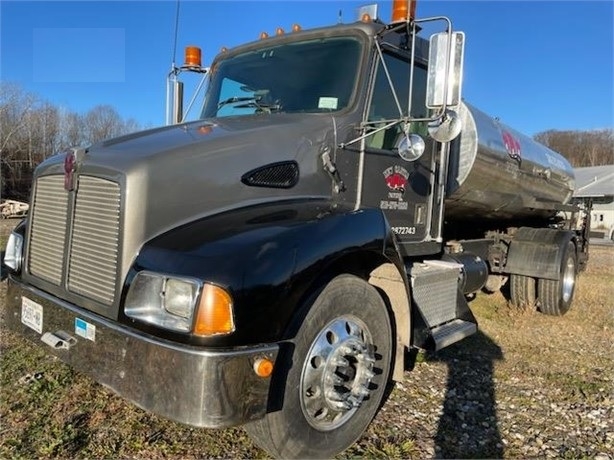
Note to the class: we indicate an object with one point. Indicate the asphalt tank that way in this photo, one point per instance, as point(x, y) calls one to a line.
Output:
point(495, 172)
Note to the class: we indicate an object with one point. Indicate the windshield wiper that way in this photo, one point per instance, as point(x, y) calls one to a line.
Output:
point(268, 108)
point(234, 99)
point(249, 102)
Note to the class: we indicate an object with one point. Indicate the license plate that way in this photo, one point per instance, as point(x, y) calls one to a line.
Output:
point(32, 314)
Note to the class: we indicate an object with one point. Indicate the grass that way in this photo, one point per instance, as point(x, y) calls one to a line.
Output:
point(536, 361)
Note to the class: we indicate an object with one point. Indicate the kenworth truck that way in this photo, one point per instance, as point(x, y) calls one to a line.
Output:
point(274, 262)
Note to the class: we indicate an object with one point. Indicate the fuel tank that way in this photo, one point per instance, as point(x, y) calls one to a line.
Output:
point(497, 173)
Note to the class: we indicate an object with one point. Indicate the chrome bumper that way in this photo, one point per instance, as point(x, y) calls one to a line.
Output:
point(200, 387)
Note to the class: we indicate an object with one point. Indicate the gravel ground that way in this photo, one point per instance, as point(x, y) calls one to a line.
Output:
point(526, 386)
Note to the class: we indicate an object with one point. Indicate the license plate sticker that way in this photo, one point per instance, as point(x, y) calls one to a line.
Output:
point(85, 329)
point(32, 314)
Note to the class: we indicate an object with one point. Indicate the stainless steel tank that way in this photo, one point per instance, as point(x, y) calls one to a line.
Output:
point(495, 172)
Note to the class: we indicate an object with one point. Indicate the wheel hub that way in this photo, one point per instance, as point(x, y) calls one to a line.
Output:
point(337, 373)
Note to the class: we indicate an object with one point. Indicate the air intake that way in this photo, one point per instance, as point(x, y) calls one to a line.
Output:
point(284, 174)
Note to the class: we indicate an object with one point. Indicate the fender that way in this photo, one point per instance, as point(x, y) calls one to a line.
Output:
point(537, 252)
point(270, 258)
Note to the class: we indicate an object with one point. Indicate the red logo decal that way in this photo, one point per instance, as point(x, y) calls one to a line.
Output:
point(512, 145)
point(396, 178)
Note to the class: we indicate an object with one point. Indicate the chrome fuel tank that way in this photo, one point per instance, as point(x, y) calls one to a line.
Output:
point(495, 172)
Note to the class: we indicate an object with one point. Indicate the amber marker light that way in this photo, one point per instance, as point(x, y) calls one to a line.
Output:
point(296, 27)
point(192, 56)
point(366, 18)
point(205, 129)
point(403, 10)
point(214, 315)
point(263, 367)
point(263, 35)
point(279, 31)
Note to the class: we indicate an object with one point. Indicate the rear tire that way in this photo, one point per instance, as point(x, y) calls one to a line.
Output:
point(555, 296)
point(337, 375)
point(522, 291)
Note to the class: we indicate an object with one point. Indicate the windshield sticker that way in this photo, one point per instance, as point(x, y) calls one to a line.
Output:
point(328, 103)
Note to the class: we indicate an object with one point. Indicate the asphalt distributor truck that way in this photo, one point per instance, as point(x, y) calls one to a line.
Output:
point(274, 262)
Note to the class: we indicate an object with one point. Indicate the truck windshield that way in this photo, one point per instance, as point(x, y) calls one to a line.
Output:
point(308, 76)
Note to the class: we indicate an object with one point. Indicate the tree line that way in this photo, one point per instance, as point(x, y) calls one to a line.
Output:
point(581, 148)
point(32, 129)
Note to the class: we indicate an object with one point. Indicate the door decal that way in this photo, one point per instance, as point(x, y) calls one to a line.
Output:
point(397, 181)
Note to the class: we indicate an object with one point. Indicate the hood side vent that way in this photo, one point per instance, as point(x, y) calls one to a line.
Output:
point(284, 174)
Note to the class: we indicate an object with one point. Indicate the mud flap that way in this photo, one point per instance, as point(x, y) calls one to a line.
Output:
point(537, 252)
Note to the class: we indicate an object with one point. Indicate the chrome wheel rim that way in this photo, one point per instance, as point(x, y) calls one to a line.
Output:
point(337, 373)
point(569, 279)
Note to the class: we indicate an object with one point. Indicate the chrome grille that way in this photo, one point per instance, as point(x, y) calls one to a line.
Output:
point(95, 235)
point(48, 229)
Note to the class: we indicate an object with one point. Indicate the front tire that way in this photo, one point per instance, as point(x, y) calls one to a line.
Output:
point(337, 375)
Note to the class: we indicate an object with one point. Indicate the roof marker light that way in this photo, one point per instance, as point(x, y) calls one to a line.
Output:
point(366, 18)
point(296, 27)
point(279, 31)
point(403, 11)
point(263, 35)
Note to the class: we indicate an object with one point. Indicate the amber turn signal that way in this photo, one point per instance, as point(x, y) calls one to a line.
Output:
point(214, 315)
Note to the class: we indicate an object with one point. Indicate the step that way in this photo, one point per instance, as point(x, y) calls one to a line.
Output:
point(435, 290)
point(452, 332)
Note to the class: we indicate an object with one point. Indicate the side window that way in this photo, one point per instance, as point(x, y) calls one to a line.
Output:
point(383, 104)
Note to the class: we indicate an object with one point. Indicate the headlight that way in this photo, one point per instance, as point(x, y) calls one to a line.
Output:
point(162, 300)
point(180, 304)
point(13, 255)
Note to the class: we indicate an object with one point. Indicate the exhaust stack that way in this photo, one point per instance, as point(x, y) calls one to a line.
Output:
point(174, 87)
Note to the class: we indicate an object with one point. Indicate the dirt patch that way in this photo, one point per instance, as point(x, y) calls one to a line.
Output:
point(527, 385)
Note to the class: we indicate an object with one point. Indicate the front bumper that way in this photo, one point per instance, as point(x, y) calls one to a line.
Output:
point(200, 387)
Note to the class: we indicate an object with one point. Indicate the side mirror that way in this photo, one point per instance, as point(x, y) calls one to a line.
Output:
point(445, 73)
point(447, 127)
point(410, 147)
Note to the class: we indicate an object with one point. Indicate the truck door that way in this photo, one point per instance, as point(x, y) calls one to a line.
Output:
point(402, 189)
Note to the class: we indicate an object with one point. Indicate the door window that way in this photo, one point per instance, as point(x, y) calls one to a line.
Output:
point(384, 105)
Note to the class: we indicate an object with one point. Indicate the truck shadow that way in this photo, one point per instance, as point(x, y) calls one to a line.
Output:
point(3, 271)
point(468, 426)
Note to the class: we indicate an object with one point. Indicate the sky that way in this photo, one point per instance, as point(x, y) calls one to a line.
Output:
point(537, 65)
